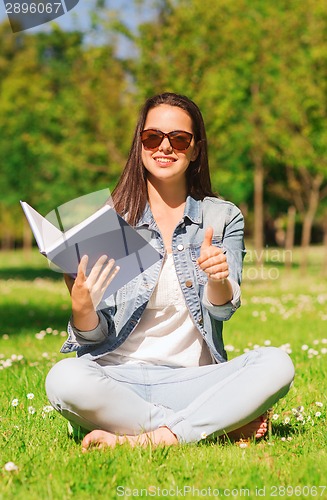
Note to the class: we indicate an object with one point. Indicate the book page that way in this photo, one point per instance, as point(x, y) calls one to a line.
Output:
point(45, 233)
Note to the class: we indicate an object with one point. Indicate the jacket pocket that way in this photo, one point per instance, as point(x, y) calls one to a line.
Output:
point(195, 250)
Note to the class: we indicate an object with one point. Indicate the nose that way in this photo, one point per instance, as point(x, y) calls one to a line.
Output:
point(165, 145)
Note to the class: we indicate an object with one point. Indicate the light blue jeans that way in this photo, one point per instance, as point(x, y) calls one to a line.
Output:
point(192, 402)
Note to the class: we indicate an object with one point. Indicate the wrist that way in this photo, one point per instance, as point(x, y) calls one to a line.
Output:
point(219, 292)
point(85, 320)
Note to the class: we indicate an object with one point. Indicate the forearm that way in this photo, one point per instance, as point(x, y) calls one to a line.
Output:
point(97, 335)
point(85, 320)
point(219, 292)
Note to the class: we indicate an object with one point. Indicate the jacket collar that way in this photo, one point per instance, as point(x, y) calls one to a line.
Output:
point(192, 211)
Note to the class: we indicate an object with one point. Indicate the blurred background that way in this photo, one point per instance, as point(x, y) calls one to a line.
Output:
point(70, 93)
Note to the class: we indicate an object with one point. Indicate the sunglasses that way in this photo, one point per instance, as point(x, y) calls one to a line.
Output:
point(178, 139)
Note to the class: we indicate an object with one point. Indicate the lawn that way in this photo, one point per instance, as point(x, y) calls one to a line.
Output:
point(283, 309)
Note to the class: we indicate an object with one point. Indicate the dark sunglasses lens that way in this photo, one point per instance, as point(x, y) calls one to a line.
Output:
point(151, 139)
point(180, 140)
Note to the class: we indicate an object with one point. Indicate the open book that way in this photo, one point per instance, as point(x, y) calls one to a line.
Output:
point(102, 233)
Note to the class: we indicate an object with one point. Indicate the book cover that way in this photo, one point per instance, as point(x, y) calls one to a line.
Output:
point(102, 233)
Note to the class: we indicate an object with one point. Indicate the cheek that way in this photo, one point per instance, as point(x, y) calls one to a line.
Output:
point(190, 156)
point(145, 155)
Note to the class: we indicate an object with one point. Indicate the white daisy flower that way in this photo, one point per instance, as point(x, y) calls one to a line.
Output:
point(243, 445)
point(30, 395)
point(47, 409)
point(14, 402)
point(10, 467)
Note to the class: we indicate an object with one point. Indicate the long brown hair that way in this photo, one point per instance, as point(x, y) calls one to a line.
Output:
point(130, 195)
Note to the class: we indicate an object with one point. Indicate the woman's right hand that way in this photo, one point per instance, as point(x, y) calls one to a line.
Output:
point(87, 291)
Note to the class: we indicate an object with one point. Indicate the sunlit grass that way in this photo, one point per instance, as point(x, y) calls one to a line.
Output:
point(288, 312)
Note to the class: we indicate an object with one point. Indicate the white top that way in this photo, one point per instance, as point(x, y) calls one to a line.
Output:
point(166, 334)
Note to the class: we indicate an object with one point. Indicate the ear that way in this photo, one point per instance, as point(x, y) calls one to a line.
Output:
point(196, 151)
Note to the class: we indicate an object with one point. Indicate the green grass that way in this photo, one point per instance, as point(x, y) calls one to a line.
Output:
point(289, 310)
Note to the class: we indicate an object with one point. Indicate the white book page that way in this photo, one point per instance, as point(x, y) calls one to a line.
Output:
point(45, 233)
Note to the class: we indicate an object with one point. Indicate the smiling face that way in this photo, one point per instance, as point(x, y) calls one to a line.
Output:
point(166, 164)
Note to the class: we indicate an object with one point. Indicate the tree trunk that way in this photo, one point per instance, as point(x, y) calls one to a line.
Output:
point(308, 221)
point(7, 240)
point(324, 264)
point(27, 238)
point(289, 239)
point(258, 206)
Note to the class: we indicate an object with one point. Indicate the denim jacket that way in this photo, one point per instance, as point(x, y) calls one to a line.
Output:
point(124, 309)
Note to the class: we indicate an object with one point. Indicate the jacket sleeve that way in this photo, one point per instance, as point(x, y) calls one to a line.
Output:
point(233, 244)
point(98, 334)
point(77, 338)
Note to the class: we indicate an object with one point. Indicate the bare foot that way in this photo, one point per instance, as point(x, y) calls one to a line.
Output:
point(257, 428)
point(101, 439)
point(163, 436)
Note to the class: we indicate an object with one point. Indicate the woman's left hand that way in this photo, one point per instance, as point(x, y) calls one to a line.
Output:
point(212, 259)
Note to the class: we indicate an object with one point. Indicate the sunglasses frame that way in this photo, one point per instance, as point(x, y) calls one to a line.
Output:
point(163, 136)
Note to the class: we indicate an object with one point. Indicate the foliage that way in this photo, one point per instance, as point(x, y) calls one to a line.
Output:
point(257, 70)
point(58, 139)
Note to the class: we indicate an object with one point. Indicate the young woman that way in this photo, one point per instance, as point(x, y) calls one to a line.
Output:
point(151, 366)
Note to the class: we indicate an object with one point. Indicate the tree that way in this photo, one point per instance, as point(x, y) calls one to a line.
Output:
point(65, 121)
point(300, 107)
point(257, 71)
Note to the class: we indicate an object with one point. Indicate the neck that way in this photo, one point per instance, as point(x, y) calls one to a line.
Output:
point(172, 195)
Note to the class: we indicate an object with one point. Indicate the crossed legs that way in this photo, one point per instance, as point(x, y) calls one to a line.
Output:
point(161, 405)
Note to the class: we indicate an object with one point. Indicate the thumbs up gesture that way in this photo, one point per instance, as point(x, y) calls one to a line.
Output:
point(212, 259)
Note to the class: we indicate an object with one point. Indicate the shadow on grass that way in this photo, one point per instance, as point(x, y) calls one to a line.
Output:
point(29, 274)
point(285, 430)
point(18, 318)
